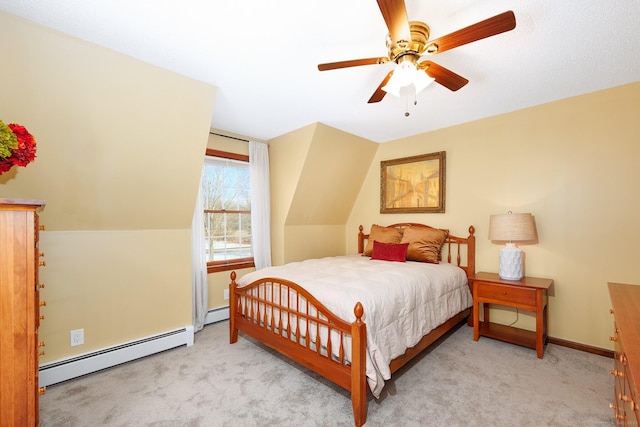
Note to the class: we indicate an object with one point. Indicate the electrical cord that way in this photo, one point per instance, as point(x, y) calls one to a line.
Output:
point(515, 321)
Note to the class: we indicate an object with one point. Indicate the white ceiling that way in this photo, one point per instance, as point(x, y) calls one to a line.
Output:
point(263, 55)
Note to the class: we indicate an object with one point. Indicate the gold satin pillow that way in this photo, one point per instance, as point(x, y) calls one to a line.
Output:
point(383, 235)
point(425, 243)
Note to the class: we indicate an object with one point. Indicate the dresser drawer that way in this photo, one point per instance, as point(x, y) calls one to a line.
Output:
point(490, 292)
point(625, 302)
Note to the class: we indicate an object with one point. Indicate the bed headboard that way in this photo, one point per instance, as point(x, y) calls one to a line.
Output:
point(454, 246)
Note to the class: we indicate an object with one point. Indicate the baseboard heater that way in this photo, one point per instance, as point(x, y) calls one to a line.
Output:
point(66, 369)
point(217, 315)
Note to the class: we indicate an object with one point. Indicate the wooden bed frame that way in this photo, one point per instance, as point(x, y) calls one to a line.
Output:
point(259, 311)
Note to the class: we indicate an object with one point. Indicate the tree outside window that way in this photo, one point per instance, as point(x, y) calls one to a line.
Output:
point(227, 213)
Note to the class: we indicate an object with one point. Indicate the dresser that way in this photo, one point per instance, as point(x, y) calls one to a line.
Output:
point(20, 316)
point(625, 301)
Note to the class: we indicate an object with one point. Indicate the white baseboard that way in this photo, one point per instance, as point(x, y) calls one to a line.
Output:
point(66, 369)
point(77, 366)
point(217, 315)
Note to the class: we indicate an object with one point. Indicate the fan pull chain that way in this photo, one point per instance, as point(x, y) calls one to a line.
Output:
point(406, 106)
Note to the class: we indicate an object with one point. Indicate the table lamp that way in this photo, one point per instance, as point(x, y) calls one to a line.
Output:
point(510, 228)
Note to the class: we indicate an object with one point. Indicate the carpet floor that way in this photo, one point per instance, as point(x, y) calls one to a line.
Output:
point(457, 382)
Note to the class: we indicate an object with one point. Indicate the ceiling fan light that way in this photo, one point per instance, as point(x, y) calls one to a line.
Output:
point(392, 87)
point(422, 80)
point(403, 75)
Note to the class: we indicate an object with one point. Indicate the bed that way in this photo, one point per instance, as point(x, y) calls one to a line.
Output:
point(356, 319)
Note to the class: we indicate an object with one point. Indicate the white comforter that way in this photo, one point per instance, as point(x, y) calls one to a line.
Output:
point(402, 301)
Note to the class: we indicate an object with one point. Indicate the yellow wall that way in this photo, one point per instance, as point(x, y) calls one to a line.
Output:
point(287, 154)
point(316, 173)
point(118, 286)
point(120, 149)
point(571, 163)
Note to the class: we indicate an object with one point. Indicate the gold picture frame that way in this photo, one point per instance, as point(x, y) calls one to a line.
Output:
point(413, 184)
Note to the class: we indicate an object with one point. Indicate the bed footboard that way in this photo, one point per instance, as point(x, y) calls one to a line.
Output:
point(285, 317)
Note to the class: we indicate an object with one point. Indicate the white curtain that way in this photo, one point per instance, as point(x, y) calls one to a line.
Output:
point(200, 289)
point(260, 203)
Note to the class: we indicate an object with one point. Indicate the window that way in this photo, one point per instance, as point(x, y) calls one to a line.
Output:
point(227, 211)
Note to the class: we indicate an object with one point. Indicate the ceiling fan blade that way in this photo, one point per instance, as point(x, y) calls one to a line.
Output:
point(443, 76)
point(351, 63)
point(379, 93)
point(394, 13)
point(489, 27)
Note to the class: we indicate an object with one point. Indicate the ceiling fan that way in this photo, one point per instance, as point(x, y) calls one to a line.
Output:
point(409, 40)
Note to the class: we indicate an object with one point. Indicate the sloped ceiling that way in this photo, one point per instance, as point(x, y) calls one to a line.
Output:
point(334, 169)
point(263, 56)
point(113, 151)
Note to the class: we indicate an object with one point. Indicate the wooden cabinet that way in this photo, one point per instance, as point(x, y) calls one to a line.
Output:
point(19, 312)
point(528, 293)
point(625, 300)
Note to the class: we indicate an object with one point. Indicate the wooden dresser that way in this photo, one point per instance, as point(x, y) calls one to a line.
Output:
point(19, 312)
point(625, 300)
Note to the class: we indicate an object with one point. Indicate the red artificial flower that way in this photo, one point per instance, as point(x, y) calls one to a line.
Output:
point(5, 165)
point(25, 153)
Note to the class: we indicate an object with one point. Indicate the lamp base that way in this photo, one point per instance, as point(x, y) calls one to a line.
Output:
point(510, 263)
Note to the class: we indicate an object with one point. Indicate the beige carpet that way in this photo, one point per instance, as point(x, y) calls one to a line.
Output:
point(460, 382)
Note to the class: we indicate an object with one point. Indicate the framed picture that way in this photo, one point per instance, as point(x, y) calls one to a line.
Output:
point(413, 184)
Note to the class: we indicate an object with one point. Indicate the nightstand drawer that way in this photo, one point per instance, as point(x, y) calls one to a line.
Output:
point(505, 293)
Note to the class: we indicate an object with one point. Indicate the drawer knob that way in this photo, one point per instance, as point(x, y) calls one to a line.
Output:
point(629, 400)
point(41, 344)
point(41, 317)
point(43, 303)
point(41, 254)
point(613, 406)
point(620, 417)
point(623, 359)
point(41, 353)
point(42, 390)
point(624, 397)
point(613, 339)
point(611, 310)
point(41, 286)
point(42, 228)
point(42, 263)
point(616, 373)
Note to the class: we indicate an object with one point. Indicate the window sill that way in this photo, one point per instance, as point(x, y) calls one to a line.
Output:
point(231, 265)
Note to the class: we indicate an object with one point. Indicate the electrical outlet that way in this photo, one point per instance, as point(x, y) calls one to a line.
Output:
point(226, 294)
point(77, 337)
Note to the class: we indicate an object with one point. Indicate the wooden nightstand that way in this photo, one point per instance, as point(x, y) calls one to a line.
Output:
point(528, 293)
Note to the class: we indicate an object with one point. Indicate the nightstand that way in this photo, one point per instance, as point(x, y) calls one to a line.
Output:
point(528, 293)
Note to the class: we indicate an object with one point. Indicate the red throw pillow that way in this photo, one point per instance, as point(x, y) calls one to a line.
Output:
point(389, 251)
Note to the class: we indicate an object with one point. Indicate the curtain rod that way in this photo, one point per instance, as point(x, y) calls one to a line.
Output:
point(227, 136)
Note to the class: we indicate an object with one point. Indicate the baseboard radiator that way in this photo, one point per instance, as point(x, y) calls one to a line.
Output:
point(66, 369)
point(217, 315)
